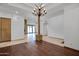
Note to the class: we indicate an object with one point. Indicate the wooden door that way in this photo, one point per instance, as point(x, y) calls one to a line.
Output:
point(6, 29)
point(0, 30)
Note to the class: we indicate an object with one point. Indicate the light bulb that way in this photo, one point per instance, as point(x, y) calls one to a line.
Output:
point(42, 5)
point(34, 9)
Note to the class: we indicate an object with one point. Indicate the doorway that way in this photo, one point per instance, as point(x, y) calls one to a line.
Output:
point(30, 29)
point(31, 32)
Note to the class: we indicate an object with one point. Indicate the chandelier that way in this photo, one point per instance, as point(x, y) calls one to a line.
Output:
point(39, 10)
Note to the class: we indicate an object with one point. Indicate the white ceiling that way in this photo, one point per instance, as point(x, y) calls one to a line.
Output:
point(25, 9)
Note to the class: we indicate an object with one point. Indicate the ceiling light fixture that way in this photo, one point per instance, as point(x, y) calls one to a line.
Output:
point(16, 12)
point(39, 10)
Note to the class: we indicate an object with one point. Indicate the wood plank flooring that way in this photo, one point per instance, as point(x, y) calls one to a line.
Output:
point(37, 49)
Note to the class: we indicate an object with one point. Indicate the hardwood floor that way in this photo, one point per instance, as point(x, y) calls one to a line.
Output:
point(37, 49)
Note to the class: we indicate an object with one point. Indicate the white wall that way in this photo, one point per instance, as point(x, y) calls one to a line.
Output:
point(17, 25)
point(71, 26)
point(31, 20)
point(2, 14)
point(55, 27)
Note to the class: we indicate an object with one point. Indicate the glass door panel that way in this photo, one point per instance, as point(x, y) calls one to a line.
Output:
point(31, 28)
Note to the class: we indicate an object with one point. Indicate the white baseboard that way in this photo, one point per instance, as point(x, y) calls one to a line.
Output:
point(71, 47)
point(56, 36)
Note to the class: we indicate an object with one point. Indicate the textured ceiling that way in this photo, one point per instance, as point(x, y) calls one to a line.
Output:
point(25, 9)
